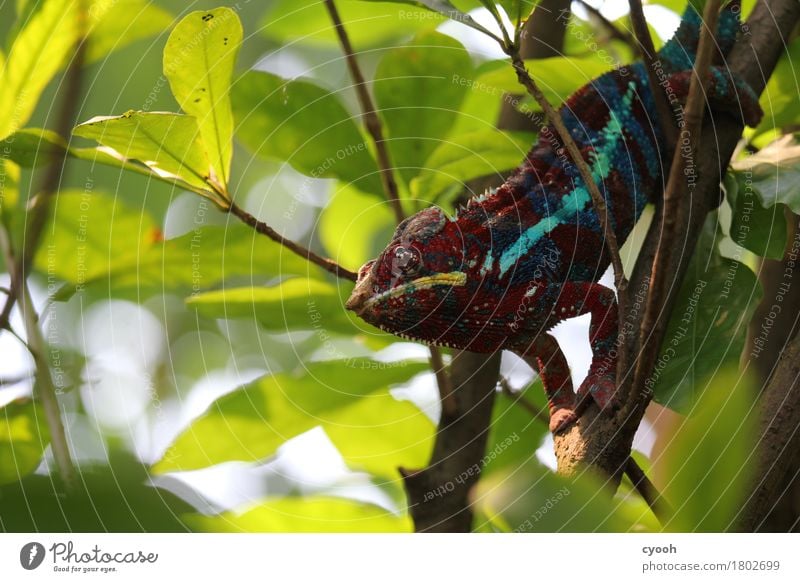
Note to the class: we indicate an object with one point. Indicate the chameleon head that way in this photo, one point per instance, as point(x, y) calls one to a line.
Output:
point(420, 287)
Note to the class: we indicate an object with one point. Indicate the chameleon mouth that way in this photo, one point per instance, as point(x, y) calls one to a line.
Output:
point(454, 279)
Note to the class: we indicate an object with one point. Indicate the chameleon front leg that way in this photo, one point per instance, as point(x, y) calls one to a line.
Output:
point(579, 298)
point(545, 355)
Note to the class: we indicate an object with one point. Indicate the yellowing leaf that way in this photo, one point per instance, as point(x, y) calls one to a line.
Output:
point(198, 61)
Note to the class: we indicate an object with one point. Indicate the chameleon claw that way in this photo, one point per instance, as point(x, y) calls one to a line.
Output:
point(561, 418)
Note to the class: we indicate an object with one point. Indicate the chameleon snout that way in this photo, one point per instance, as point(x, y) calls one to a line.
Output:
point(362, 291)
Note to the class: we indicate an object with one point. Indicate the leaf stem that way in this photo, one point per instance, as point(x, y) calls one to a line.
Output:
point(265, 229)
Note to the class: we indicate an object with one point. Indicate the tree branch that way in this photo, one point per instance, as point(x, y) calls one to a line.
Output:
point(779, 440)
point(648, 52)
point(371, 119)
point(681, 175)
point(615, 31)
point(603, 441)
point(265, 229)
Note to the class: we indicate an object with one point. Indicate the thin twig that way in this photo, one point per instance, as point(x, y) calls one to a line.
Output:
point(311, 256)
point(45, 389)
point(371, 119)
point(599, 201)
point(615, 31)
point(373, 125)
point(12, 380)
point(648, 52)
point(37, 215)
point(677, 192)
point(518, 398)
point(652, 496)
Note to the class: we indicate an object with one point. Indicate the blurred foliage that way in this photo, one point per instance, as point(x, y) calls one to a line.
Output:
point(243, 345)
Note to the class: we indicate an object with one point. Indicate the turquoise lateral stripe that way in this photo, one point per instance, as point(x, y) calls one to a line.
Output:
point(577, 199)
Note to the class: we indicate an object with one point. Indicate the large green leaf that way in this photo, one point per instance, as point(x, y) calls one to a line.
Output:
point(349, 398)
point(114, 24)
point(779, 99)
point(774, 173)
point(114, 497)
point(198, 62)
point(305, 125)
point(368, 24)
point(297, 303)
point(195, 262)
point(710, 459)
point(419, 90)
point(355, 228)
point(89, 234)
point(308, 514)
point(531, 498)
point(36, 55)
point(23, 439)
point(758, 229)
point(168, 143)
point(468, 156)
point(709, 322)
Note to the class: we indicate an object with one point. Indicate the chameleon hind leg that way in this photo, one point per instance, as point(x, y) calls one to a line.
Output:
point(579, 298)
point(545, 355)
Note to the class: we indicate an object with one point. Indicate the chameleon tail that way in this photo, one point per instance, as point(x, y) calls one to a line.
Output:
point(679, 52)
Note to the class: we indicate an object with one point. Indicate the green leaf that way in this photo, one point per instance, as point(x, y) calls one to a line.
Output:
point(198, 62)
point(23, 439)
point(532, 498)
point(168, 143)
point(774, 173)
point(349, 398)
point(193, 263)
point(468, 156)
point(758, 229)
point(418, 92)
point(9, 190)
point(36, 55)
point(304, 125)
point(297, 303)
point(308, 515)
point(710, 458)
point(779, 99)
point(89, 234)
point(367, 24)
point(514, 436)
point(708, 326)
point(33, 147)
point(114, 497)
point(558, 77)
point(114, 24)
point(354, 228)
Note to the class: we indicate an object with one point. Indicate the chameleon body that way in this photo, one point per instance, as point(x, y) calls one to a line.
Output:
point(527, 255)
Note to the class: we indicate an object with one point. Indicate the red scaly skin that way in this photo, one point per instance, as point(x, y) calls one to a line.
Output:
point(528, 255)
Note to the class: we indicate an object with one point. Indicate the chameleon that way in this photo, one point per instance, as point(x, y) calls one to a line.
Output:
point(521, 258)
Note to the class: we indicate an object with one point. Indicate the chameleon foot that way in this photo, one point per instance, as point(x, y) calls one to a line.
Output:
point(561, 418)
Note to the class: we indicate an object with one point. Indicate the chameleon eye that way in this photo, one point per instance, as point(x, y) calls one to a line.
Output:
point(406, 259)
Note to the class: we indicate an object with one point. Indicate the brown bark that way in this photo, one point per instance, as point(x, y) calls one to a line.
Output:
point(603, 441)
